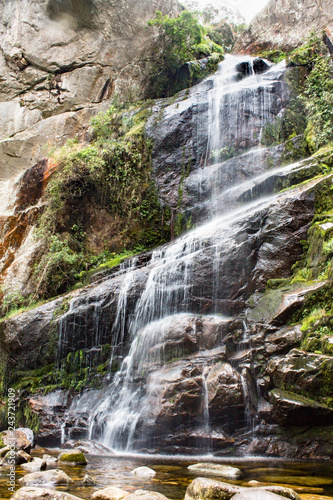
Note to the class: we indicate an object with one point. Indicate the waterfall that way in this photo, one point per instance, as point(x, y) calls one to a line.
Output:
point(235, 185)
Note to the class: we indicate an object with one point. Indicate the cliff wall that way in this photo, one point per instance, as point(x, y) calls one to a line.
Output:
point(286, 24)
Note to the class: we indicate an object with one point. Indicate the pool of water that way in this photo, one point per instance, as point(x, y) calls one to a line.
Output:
point(312, 480)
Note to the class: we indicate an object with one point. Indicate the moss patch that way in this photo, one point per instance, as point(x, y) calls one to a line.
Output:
point(76, 458)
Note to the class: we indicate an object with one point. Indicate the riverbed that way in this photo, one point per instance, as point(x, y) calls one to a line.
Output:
point(312, 480)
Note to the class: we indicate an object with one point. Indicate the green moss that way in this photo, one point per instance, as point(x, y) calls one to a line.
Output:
point(272, 55)
point(63, 308)
point(277, 283)
point(77, 458)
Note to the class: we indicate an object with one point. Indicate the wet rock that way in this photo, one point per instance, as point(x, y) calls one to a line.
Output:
point(256, 494)
point(88, 446)
point(72, 457)
point(283, 340)
point(29, 493)
point(36, 464)
point(49, 459)
point(281, 491)
point(260, 65)
point(52, 477)
point(291, 409)
point(146, 495)
point(209, 489)
point(216, 469)
point(225, 391)
point(256, 66)
point(4, 451)
point(110, 493)
point(303, 373)
point(16, 457)
point(180, 136)
point(143, 472)
point(88, 481)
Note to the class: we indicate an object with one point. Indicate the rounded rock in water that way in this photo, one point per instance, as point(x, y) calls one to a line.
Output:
point(216, 469)
point(143, 472)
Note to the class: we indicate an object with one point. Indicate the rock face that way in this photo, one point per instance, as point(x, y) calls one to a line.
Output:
point(61, 61)
point(59, 55)
point(285, 25)
point(195, 370)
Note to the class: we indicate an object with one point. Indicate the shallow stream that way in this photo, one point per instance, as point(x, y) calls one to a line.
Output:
point(312, 480)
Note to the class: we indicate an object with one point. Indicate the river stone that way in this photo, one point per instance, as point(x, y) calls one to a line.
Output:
point(47, 478)
point(49, 459)
point(73, 457)
point(282, 491)
point(216, 469)
point(143, 472)
point(36, 464)
point(18, 438)
point(110, 493)
point(4, 451)
point(18, 457)
point(88, 481)
point(209, 489)
point(256, 494)
point(146, 495)
point(29, 493)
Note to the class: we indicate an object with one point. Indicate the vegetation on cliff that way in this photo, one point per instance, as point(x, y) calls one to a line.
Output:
point(309, 111)
point(100, 205)
point(182, 39)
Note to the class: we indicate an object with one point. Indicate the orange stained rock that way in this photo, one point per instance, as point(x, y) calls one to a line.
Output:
point(50, 168)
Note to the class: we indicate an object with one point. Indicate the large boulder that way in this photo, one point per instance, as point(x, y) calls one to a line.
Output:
point(53, 477)
point(146, 495)
point(143, 472)
point(72, 457)
point(35, 465)
point(203, 488)
point(16, 438)
point(210, 489)
point(29, 493)
point(254, 494)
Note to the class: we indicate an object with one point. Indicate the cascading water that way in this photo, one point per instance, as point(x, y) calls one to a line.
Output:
point(176, 295)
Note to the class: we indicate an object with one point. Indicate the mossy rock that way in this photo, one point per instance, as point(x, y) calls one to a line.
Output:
point(73, 458)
